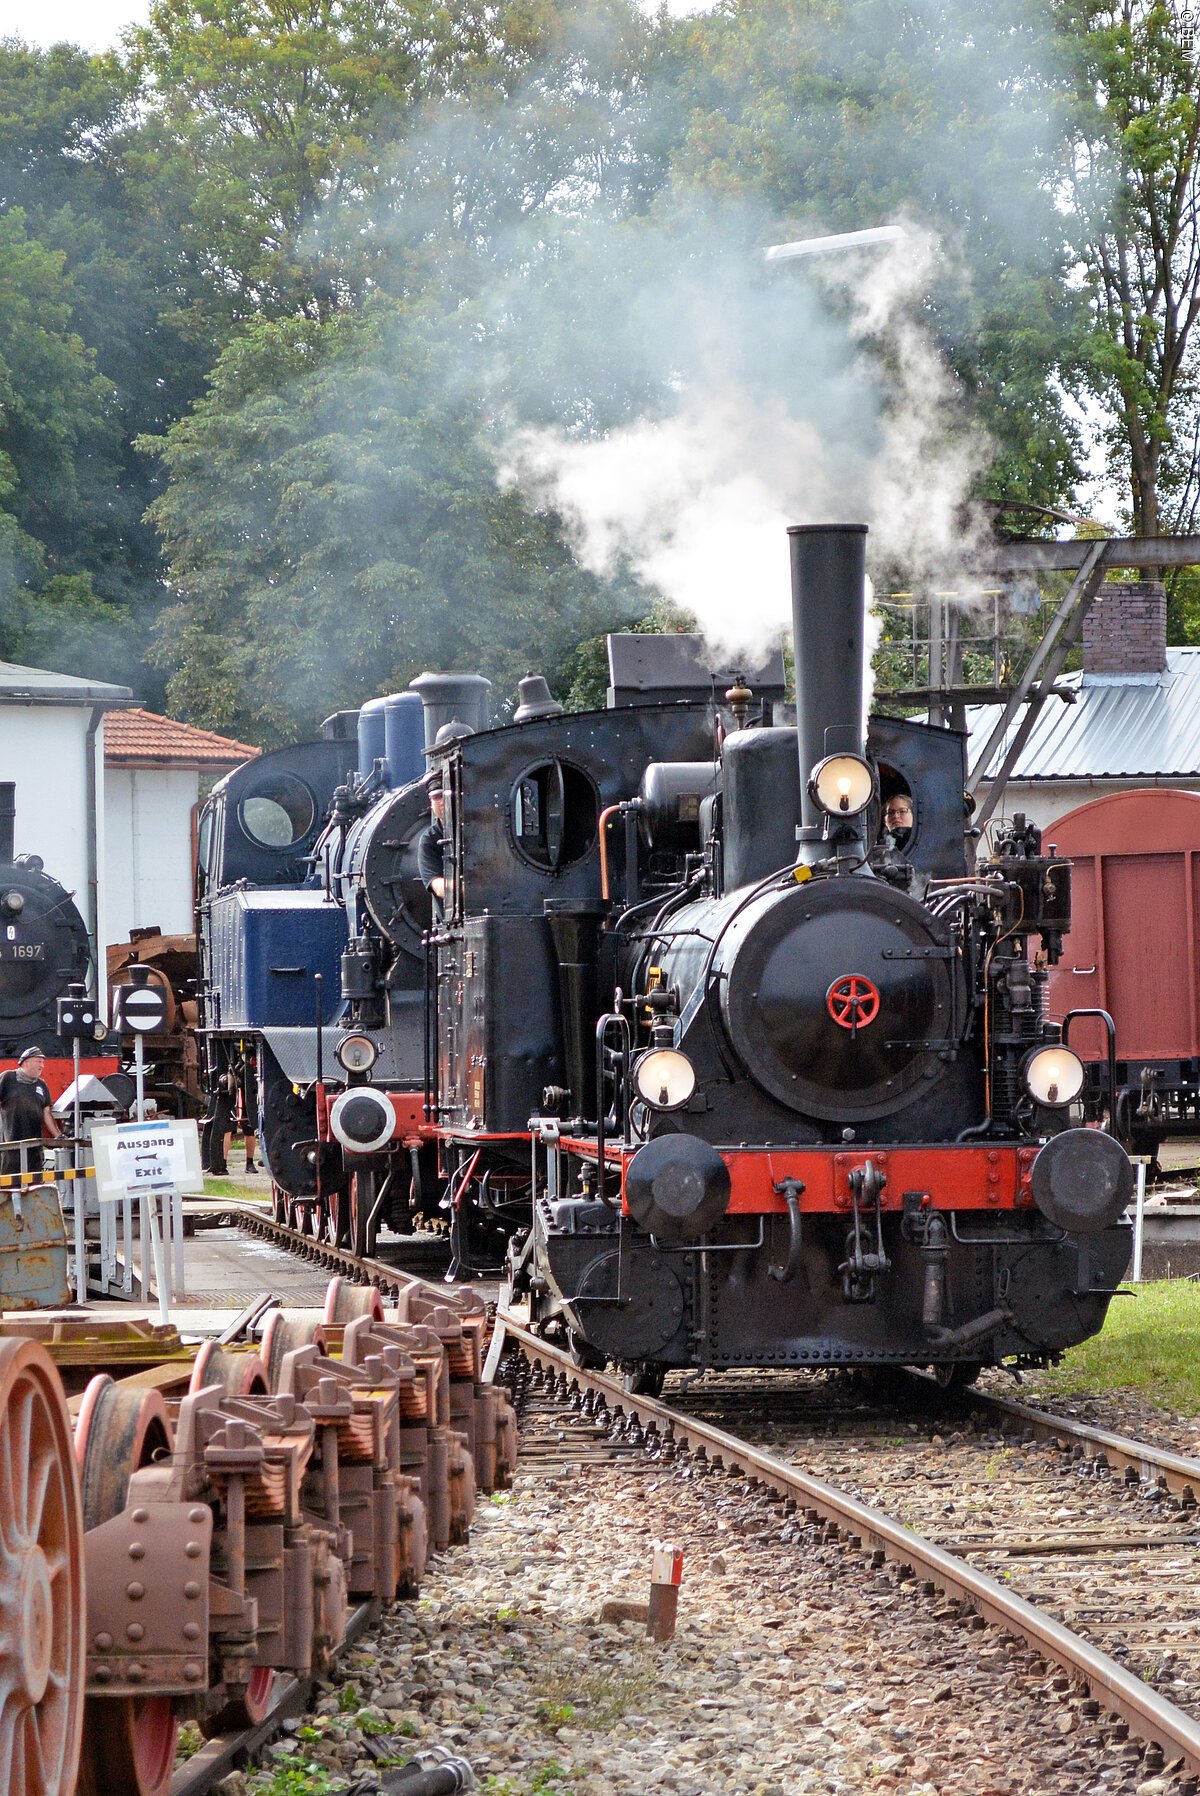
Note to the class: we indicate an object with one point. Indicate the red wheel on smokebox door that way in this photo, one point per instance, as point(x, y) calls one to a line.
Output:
point(43, 1615)
point(128, 1741)
point(852, 1001)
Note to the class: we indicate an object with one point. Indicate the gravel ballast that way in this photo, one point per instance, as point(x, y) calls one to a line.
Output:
point(796, 1668)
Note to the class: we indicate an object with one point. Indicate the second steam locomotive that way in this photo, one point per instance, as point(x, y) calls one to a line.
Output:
point(718, 1072)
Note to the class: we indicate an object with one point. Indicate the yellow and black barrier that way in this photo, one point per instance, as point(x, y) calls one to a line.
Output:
point(8, 1179)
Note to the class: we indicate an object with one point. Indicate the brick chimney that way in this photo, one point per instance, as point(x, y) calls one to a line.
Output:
point(1125, 632)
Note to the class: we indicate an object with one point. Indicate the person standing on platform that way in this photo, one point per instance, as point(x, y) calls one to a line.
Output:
point(25, 1111)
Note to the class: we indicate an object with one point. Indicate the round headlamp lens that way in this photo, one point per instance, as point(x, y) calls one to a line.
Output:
point(843, 785)
point(356, 1053)
point(664, 1079)
point(1054, 1076)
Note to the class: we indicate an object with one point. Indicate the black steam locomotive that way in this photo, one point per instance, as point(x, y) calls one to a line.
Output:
point(44, 948)
point(721, 1074)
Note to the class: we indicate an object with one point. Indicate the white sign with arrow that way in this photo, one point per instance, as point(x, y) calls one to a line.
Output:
point(147, 1156)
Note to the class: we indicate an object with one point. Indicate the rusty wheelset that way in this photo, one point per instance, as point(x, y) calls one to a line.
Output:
point(165, 1558)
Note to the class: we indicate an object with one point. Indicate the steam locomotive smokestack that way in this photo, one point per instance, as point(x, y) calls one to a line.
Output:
point(8, 818)
point(829, 571)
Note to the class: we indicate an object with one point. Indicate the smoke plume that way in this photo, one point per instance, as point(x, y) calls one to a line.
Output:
point(787, 395)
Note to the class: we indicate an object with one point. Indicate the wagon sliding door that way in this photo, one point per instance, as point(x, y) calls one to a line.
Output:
point(1133, 941)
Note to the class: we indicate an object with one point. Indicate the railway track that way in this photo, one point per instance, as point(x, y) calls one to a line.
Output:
point(421, 1259)
point(990, 1557)
point(994, 1536)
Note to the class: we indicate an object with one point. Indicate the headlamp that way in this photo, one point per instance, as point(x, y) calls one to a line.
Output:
point(362, 1119)
point(842, 785)
point(664, 1079)
point(1053, 1076)
point(356, 1053)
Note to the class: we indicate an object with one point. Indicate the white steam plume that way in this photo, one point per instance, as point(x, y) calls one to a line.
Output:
point(697, 501)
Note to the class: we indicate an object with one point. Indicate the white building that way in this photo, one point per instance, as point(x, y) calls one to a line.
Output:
point(153, 771)
point(52, 748)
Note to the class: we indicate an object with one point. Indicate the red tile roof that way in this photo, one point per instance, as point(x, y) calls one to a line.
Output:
point(137, 738)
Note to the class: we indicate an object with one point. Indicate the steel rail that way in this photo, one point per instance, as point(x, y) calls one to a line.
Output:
point(222, 1754)
point(1173, 1472)
point(870, 1530)
point(381, 1273)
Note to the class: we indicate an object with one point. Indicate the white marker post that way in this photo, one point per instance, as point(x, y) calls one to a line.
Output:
point(1139, 1219)
point(142, 1011)
point(76, 1014)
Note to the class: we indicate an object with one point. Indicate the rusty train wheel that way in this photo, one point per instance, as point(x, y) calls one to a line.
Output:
point(42, 1612)
point(129, 1742)
point(344, 1302)
point(246, 1710)
point(238, 1374)
point(285, 1330)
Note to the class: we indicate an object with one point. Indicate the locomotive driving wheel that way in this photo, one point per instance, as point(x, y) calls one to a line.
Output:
point(364, 1219)
point(129, 1741)
point(338, 1226)
point(958, 1377)
point(42, 1611)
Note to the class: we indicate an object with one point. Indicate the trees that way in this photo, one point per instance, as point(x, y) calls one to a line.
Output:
point(845, 113)
point(57, 449)
point(1130, 183)
point(90, 362)
point(333, 526)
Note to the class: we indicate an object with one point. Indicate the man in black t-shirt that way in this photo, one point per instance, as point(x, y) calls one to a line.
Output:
point(431, 846)
point(25, 1111)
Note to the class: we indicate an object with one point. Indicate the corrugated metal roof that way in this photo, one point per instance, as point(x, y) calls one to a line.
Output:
point(1120, 727)
point(39, 685)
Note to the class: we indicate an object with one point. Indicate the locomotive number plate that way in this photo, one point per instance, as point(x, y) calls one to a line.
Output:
point(22, 950)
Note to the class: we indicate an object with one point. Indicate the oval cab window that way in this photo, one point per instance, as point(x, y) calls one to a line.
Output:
point(281, 814)
point(553, 812)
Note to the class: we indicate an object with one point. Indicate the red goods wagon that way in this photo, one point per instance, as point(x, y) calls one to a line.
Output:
point(1132, 950)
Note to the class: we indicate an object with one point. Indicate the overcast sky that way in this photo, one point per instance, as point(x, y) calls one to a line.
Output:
point(95, 24)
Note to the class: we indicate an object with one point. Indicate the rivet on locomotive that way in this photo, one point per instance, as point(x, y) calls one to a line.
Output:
point(719, 1071)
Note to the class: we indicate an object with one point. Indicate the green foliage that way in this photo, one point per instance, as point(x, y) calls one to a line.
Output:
point(1128, 191)
point(1150, 1344)
point(277, 280)
point(333, 525)
point(550, 1779)
point(838, 116)
point(293, 1777)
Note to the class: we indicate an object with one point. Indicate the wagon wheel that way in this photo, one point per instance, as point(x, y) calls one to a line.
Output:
point(246, 1710)
point(238, 1374)
point(338, 1231)
point(958, 1377)
point(42, 1612)
point(285, 1330)
point(129, 1741)
point(303, 1215)
point(345, 1302)
point(364, 1225)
